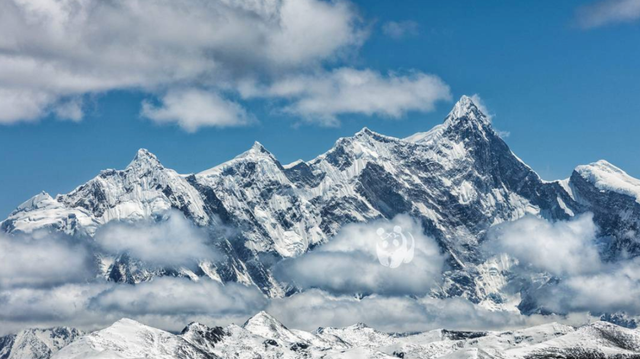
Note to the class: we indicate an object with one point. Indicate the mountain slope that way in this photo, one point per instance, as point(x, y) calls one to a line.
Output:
point(36, 343)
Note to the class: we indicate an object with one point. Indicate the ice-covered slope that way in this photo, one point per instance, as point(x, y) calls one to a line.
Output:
point(132, 340)
point(36, 343)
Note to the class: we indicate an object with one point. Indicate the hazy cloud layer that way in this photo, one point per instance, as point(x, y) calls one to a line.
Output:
point(348, 264)
point(169, 303)
point(314, 308)
point(605, 12)
point(179, 296)
point(172, 242)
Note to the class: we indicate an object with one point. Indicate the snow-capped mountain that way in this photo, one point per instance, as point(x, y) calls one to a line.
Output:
point(458, 180)
point(36, 343)
point(262, 336)
point(129, 339)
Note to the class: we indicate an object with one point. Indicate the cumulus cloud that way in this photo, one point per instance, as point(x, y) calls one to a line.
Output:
point(349, 263)
point(192, 109)
point(172, 242)
point(54, 50)
point(562, 248)
point(569, 251)
point(42, 260)
point(605, 12)
point(400, 29)
point(324, 96)
point(615, 288)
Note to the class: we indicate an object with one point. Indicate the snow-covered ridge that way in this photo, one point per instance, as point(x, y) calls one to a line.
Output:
point(37, 343)
point(265, 337)
point(608, 177)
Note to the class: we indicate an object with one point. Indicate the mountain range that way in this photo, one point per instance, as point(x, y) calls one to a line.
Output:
point(458, 179)
point(263, 336)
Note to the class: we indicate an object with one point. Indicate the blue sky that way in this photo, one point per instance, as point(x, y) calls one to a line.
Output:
point(561, 77)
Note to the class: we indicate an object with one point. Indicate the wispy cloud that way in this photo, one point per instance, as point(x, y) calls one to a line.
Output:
point(607, 12)
point(400, 29)
point(323, 97)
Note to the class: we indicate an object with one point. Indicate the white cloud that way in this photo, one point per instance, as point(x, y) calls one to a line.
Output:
point(166, 302)
point(562, 248)
point(315, 308)
point(605, 12)
point(55, 49)
point(400, 29)
point(180, 296)
point(192, 109)
point(174, 242)
point(615, 288)
point(23, 105)
point(323, 96)
point(348, 264)
point(569, 251)
point(42, 260)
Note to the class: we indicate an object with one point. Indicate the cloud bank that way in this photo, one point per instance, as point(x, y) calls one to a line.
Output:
point(50, 280)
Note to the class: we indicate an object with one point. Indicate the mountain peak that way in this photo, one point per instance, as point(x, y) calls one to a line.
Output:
point(128, 323)
point(257, 150)
point(40, 200)
point(144, 158)
point(265, 325)
point(466, 108)
point(607, 177)
point(260, 318)
point(258, 147)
